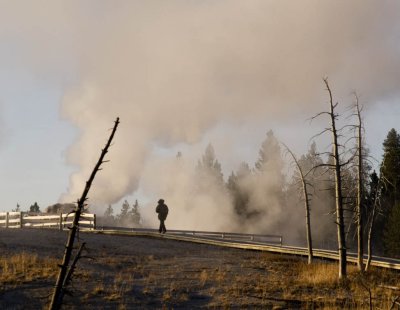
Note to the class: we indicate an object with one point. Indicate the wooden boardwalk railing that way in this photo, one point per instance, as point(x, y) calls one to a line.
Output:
point(60, 221)
point(382, 262)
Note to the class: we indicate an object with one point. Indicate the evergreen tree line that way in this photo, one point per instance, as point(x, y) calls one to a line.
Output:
point(256, 193)
point(129, 216)
point(34, 208)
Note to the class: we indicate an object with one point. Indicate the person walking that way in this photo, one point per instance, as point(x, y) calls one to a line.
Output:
point(162, 210)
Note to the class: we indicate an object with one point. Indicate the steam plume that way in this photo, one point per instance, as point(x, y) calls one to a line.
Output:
point(175, 70)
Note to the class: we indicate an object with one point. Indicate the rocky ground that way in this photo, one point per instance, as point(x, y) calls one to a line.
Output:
point(122, 272)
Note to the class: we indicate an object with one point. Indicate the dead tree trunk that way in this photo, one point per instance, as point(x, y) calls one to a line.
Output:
point(306, 205)
point(360, 189)
point(58, 293)
point(369, 245)
point(378, 191)
point(338, 189)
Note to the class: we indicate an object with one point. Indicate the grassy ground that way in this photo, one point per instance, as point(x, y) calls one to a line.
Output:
point(132, 272)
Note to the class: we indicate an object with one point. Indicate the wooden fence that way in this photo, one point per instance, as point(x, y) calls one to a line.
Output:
point(60, 221)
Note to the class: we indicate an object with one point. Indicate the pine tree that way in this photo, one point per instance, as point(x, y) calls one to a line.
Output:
point(109, 213)
point(390, 197)
point(108, 217)
point(392, 232)
point(239, 195)
point(209, 166)
point(391, 167)
point(269, 154)
point(123, 216)
point(232, 186)
point(34, 208)
point(269, 168)
point(311, 160)
point(134, 214)
point(321, 197)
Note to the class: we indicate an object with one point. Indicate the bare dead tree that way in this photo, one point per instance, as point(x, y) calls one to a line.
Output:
point(370, 231)
point(336, 166)
point(360, 187)
point(361, 166)
point(59, 288)
point(71, 268)
point(306, 198)
point(382, 183)
point(338, 188)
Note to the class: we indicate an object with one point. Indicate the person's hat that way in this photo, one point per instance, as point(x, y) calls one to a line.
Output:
point(161, 201)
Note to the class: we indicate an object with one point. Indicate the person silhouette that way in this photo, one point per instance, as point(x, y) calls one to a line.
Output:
point(162, 210)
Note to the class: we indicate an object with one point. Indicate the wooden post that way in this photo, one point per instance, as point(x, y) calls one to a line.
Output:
point(6, 219)
point(94, 221)
point(60, 224)
point(20, 220)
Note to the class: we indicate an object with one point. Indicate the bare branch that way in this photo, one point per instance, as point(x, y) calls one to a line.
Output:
point(59, 287)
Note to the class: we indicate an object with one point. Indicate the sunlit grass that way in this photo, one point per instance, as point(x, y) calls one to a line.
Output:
point(317, 274)
point(25, 267)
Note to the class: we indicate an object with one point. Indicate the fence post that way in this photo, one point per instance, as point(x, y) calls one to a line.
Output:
point(20, 220)
point(6, 219)
point(94, 221)
point(60, 224)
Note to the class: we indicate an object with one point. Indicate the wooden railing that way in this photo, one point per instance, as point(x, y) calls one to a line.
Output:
point(60, 221)
point(383, 262)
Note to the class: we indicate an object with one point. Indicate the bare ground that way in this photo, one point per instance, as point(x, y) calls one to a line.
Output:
point(122, 272)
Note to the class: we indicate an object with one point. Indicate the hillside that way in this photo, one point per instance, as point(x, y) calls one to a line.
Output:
point(147, 273)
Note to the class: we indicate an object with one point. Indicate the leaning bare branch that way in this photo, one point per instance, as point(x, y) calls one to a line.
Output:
point(306, 199)
point(320, 134)
point(59, 287)
point(317, 115)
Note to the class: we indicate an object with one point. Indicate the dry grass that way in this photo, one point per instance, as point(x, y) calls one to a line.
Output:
point(98, 289)
point(203, 277)
point(121, 286)
point(319, 274)
point(144, 273)
point(26, 267)
point(358, 291)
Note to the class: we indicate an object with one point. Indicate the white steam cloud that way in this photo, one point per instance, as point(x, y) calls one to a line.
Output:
point(173, 70)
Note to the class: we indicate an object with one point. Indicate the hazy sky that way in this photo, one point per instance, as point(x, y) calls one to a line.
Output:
point(179, 74)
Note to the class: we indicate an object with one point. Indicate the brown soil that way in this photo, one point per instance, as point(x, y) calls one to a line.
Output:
point(122, 272)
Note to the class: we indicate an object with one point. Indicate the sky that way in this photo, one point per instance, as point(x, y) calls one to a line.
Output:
point(179, 74)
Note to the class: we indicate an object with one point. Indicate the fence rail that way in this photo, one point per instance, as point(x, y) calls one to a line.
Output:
point(250, 238)
point(382, 262)
point(60, 221)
